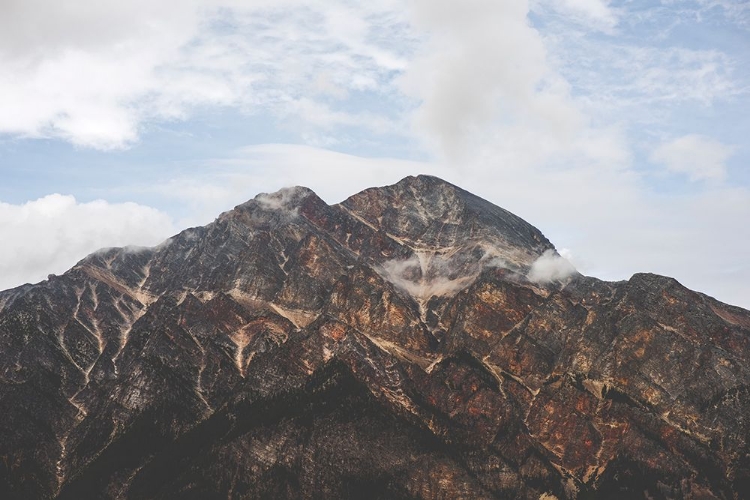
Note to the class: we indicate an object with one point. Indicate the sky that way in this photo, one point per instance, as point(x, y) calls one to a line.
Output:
point(619, 128)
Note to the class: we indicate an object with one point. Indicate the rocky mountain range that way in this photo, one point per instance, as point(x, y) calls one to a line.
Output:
point(414, 341)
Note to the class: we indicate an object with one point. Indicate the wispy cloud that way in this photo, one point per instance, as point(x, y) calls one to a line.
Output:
point(427, 274)
point(285, 200)
point(734, 11)
point(698, 157)
point(644, 80)
point(594, 14)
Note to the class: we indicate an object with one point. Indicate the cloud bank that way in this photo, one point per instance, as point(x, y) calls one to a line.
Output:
point(51, 234)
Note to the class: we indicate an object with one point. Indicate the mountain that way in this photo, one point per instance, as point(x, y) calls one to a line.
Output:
point(413, 341)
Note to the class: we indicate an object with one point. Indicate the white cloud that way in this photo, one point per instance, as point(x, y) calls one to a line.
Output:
point(483, 67)
point(595, 13)
point(51, 234)
point(698, 157)
point(491, 98)
point(550, 266)
point(94, 72)
point(427, 274)
point(411, 276)
point(284, 200)
point(73, 70)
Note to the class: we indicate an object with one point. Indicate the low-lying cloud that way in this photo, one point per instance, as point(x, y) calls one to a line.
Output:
point(285, 199)
point(51, 234)
point(428, 274)
point(549, 267)
point(411, 277)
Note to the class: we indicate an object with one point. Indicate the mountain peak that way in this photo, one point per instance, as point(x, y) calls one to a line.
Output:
point(287, 199)
point(428, 213)
point(284, 199)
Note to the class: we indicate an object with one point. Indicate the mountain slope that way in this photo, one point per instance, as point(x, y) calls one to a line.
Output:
point(391, 346)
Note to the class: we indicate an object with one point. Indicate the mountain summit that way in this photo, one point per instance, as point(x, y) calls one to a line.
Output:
point(413, 341)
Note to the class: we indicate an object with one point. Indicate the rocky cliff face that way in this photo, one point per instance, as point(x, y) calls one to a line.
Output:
point(391, 346)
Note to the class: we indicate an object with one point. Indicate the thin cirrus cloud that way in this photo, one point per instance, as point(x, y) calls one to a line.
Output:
point(644, 83)
point(597, 14)
point(699, 158)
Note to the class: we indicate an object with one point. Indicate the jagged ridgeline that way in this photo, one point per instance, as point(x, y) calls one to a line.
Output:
point(413, 341)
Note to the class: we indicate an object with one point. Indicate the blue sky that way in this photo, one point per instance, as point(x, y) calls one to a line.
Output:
point(619, 128)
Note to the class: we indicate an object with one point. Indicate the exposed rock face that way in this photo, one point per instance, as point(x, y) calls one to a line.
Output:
point(390, 346)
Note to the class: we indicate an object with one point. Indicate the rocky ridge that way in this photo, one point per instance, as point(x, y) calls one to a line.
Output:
point(390, 346)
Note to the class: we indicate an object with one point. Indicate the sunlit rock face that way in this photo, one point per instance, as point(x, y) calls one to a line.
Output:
point(414, 341)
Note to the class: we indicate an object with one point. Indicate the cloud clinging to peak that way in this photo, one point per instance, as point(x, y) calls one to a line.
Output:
point(551, 266)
